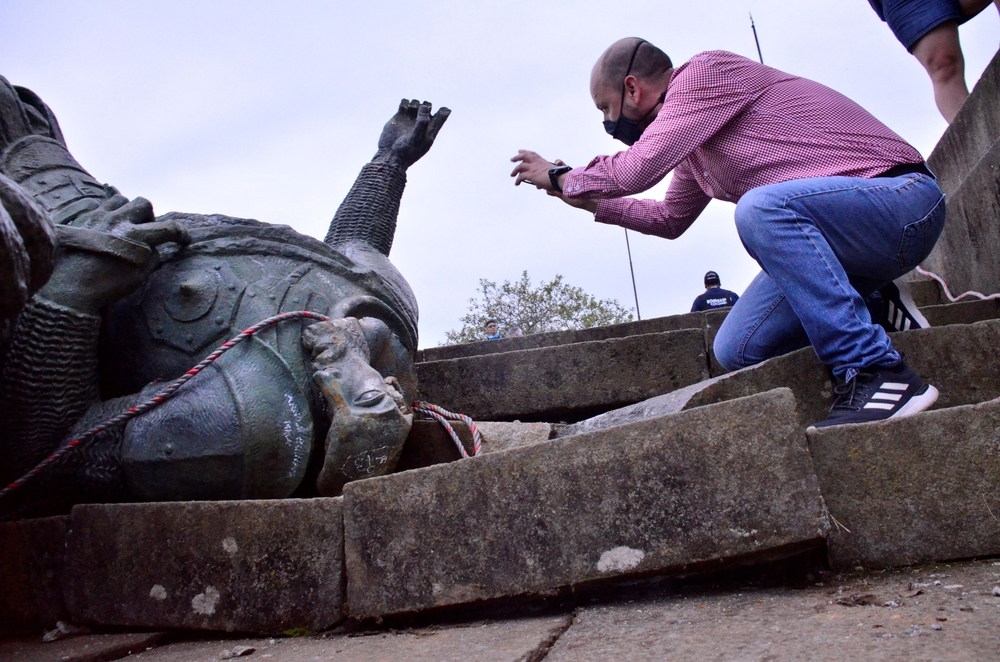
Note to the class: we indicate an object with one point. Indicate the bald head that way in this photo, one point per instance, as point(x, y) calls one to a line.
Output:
point(649, 64)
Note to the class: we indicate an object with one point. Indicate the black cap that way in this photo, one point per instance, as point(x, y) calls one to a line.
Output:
point(712, 278)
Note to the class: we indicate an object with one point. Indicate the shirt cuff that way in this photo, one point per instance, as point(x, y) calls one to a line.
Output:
point(610, 211)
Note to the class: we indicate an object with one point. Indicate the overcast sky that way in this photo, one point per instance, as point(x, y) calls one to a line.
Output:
point(268, 110)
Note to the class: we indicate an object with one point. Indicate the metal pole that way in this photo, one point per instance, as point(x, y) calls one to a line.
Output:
point(755, 40)
point(632, 271)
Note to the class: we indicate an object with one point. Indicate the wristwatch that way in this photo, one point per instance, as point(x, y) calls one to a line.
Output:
point(554, 175)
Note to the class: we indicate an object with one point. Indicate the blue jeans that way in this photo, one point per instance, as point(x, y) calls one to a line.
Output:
point(824, 244)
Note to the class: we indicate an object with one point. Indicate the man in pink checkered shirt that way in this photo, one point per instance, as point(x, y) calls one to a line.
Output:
point(831, 203)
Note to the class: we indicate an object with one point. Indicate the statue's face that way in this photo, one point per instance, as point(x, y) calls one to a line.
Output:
point(369, 418)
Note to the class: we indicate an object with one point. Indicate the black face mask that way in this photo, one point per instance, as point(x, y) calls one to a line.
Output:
point(624, 129)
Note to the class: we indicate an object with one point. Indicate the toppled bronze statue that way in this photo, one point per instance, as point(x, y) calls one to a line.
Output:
point(134, 301)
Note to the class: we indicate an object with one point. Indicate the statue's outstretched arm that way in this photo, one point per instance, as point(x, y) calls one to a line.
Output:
point(368, 213)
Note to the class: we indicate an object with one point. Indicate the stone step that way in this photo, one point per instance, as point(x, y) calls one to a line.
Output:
point(31, 565)
point(553, 338)
point(270, 567)
point(566, 382)
point(962, 312)
point(673, 494)
point(912, 490)
point(960, 360)
point(429, 443)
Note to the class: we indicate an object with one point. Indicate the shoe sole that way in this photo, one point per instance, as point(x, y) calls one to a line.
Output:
point(918, 403)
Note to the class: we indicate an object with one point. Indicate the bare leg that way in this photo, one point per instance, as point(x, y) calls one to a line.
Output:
point(941, 54)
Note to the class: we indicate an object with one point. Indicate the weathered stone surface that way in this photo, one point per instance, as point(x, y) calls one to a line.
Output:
point(966, 161)
point(552, 338)
point(504, 436)
point(910, 490)
point(799, 371)
point(925, 291)
point(713, 320)
point(963, 312)
point(866, 616)
point(959, 360)
point(429, 443)
point(31, 562)
point(89, 648)
point(973, 132)
point(568, 382)
point(967, 255)
point(520, 640)
point(666, 495)
point(245, 566)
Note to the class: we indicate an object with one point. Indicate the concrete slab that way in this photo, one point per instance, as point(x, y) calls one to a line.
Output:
point(965, 160)
point(429, 443)
point(31, 559)
point(921, 488)
point(673, 494)
point(799, 371)
point(967, 254)
point(553, 338)
point(971, 134)
point(935, 613)
point(959, 360)
point(567, 382)
point(520, 640)
point(238, 566)
point(88, 648)
point(963, 312)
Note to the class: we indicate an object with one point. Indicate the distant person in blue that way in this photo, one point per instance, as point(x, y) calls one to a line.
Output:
point(929, 30)
point(492, 330)
point(714, 296)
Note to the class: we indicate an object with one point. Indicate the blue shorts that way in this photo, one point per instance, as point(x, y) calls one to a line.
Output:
point(910, 20)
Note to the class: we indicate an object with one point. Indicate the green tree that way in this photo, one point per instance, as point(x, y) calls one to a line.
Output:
point(552, 306)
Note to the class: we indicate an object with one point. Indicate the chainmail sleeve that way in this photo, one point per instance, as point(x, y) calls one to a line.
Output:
point(48, 382)
point(368, 213)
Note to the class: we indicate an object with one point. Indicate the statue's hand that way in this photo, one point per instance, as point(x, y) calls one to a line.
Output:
point(93, 273)
point(411, 132)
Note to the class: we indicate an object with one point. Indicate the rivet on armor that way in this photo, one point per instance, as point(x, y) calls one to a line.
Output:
point(220, 321)
point(189, 337)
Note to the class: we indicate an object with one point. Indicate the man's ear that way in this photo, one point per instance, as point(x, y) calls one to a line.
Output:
point(632, 89)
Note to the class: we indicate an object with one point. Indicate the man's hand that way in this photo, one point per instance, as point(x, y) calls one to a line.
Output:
point(532, 169)
point(411, 131)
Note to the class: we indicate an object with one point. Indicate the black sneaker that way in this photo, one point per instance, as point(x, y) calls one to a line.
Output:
point(899, 313)
point(878, 393)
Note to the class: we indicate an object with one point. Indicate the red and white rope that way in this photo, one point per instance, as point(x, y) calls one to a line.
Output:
point(442, 416)
point(947, 292)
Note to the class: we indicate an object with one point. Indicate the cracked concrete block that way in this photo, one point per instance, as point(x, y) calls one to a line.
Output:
point(568, 337)
point(967, 163)
point(675, 494)
point(243, 566)
point(429, 443)
point(963, 312)
point(31, 563)
point(568, 382)
point(959, 360)
point(912, 490)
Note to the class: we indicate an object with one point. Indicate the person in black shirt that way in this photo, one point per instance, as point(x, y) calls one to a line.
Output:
point(714, 296)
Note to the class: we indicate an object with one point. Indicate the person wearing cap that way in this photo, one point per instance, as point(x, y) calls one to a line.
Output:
point(830, 202)
point(714, 296)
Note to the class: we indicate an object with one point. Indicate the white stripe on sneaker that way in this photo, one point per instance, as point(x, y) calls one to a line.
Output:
point(895, 397)
point(895, 386)
point(878, 405)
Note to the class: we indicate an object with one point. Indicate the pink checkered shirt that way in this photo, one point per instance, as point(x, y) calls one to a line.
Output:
point(728, 125)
